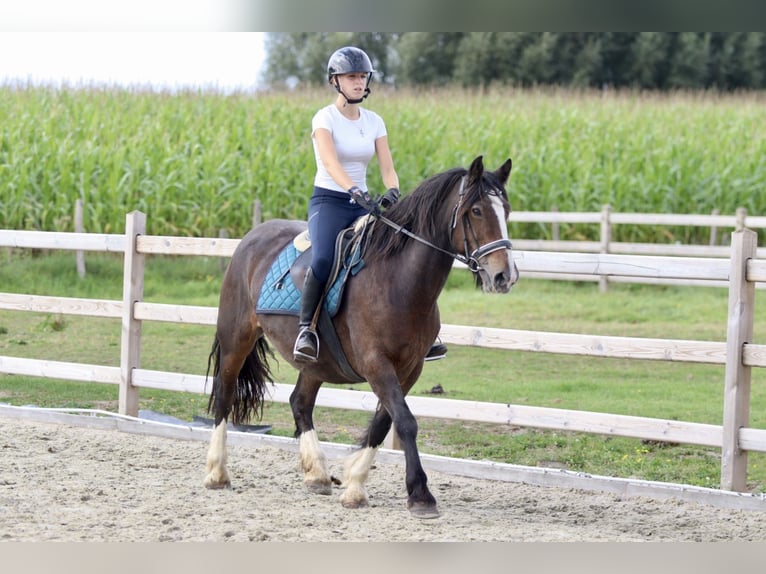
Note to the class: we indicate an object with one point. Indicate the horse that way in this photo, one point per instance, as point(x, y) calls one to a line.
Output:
point(387, 320)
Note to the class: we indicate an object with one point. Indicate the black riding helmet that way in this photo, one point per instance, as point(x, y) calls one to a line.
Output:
point(346, 61)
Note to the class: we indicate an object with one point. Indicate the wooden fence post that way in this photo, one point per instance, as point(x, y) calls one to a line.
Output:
point(79, 228)
point(741, 216)
point(223, 261)
point(606, 238)
point(132, 291)
point(714, 231)
point(736, 400)
point(555, 226)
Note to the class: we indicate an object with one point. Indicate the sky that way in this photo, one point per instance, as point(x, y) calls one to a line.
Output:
point(163, 60)
point(158, 43)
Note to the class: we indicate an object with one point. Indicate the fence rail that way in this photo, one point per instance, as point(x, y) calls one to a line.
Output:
point(737, 354)
point(607, 219)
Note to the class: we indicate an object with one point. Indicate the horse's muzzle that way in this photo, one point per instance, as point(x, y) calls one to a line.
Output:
point(499, 274)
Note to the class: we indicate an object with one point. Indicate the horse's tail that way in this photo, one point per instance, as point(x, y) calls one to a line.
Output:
point(251, 381)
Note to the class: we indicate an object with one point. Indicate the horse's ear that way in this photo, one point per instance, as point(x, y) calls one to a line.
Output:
point(476, 170)
point(504, 171)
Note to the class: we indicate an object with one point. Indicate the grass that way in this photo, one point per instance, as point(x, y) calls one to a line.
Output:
point(644, 388)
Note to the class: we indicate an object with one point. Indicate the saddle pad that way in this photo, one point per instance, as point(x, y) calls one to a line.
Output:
point(280, 296)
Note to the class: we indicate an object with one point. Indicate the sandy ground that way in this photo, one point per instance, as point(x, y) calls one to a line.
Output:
point(62, 483)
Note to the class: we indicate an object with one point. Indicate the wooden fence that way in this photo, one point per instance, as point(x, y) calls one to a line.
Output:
point(607, 219)
point(738, 355)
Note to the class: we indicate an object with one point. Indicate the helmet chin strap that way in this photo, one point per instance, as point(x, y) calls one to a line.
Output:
point(350, 100)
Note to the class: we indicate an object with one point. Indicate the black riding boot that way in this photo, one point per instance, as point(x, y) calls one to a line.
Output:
point(307, 344)
point(437, 351)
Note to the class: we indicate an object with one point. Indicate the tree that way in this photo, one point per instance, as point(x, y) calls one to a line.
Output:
point(690, 61)
point(737, 63)
point(475, 59)
point(588, 65)
point(427, 58)
point(303, 56)
point(536, 61)
point(647, 60)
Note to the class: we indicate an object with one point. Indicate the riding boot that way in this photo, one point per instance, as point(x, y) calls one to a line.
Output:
point(437, 351)
point(307, 343)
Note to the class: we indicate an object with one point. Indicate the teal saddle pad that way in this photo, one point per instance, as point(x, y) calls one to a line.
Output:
point(279, 294)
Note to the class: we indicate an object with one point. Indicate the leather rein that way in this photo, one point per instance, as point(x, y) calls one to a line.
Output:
point(471, 260)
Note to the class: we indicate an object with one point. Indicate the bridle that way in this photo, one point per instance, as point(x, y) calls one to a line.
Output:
point(471, 260)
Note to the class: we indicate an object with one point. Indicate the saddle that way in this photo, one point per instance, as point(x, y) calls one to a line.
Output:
point(281, 290)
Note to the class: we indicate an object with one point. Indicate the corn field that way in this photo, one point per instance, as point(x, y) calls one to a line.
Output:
point(194, 162)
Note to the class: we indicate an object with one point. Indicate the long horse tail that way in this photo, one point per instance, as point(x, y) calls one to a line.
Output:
point(251, 381)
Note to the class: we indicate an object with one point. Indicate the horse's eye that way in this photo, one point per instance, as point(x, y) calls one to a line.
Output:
point(476, 211)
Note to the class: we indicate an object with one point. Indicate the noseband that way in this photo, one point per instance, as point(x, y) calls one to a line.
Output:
point(471, 260)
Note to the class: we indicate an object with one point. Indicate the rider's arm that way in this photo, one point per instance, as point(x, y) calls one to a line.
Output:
point(329, 157)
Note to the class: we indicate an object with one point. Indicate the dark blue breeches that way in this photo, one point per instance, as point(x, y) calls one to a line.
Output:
point(329, 213)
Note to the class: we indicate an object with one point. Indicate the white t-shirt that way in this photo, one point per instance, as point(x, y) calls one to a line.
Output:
point(354, 144)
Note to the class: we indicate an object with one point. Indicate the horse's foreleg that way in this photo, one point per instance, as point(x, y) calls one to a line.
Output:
point(357, 467)
point(420, 501)
point(313, 461)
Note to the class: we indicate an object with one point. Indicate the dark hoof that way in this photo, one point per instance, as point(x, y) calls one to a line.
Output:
point(423, 510)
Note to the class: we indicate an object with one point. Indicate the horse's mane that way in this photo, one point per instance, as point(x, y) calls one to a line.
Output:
point(426, 213)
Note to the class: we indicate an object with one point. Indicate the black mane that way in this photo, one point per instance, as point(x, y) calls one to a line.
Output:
point(427, 213)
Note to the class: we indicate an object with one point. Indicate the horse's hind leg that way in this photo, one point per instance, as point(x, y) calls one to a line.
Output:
point(216, 474)
point(313, 460)
point(229, 364)
point(225, 384)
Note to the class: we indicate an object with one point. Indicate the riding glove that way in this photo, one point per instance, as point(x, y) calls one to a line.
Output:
point(389, 198)
point(363, 199)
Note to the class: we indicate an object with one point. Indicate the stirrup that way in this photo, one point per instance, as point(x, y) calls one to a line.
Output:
point(308, 349)
point(437, 351)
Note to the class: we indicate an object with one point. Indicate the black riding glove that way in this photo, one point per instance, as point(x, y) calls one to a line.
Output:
point(363, 199)
point(389, 198)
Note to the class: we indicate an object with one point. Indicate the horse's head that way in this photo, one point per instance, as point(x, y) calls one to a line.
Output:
point(479, 226)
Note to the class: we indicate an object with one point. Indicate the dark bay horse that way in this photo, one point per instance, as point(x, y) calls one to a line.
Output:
point(386, 322)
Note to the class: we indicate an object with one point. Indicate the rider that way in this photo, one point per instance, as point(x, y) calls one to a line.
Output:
point(345, 138)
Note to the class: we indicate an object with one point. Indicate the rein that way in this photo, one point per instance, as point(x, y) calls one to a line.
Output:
point(470, 260)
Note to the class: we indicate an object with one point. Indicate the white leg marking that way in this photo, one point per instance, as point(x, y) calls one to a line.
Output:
point(355, 473)
point(314, 464)
point(217, 475)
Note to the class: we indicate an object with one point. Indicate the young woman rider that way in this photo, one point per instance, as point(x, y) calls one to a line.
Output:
point(345, 137)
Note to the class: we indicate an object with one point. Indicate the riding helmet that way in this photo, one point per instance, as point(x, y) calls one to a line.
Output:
point(347, 60)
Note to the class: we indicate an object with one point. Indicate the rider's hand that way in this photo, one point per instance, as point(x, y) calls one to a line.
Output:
point(389, 198)
point(363, 199)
